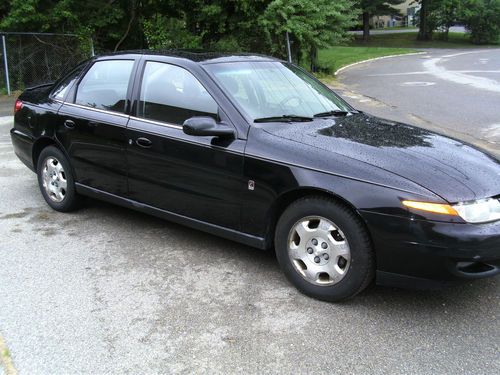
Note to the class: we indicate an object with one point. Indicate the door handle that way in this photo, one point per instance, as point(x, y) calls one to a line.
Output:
point(143, 142)
point(70, 124)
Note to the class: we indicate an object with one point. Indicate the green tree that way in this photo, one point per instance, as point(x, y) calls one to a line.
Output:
point(242, 25)
point(162, 32)
point(482, 20)
point(370, 8)
point(442, 15)
point(311, 24)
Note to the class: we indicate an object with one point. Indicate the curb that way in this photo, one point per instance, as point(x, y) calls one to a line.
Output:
point(376, 58)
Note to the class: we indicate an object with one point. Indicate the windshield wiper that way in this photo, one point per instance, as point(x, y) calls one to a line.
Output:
point(284, 118)
point(332, 113)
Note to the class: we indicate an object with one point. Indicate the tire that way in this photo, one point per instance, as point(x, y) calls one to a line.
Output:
point(56, 180)
point(333, 260)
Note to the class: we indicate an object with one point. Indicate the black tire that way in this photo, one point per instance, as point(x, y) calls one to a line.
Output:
point(361, 267)
point(71, 199)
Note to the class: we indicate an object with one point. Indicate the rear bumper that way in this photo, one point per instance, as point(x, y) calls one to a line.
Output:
point(411, 252)
point(23, 147)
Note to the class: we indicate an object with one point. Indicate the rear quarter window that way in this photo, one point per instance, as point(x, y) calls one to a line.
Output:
point(62, 88)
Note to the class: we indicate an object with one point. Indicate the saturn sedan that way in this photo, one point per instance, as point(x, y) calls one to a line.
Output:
point(258, 151)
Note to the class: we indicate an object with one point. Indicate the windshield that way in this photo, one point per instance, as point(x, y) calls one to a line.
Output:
point(275, 89)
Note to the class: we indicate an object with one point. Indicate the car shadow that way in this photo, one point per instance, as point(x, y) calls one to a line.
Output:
point(449, 301)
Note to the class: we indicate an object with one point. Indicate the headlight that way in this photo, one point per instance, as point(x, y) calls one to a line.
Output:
point(479, 211)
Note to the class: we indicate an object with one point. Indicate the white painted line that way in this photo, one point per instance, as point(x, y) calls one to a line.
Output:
point(448, 75)
point(426, 72)
point(374, 59)
point(417, 84)
point(466, 53)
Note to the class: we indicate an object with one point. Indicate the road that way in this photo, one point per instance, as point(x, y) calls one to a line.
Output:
point(456, 92)
point(453, 29)
point(110, 290)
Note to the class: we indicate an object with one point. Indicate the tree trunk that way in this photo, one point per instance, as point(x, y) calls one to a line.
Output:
point(366, 26)
point(129, 25)
point(423, 32)
point(313, 56)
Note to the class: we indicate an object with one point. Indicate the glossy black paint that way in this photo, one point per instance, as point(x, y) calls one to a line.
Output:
point(368, 163)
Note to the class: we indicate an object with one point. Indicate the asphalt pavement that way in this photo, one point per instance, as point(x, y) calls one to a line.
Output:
point(109, 290)
point(455, 92)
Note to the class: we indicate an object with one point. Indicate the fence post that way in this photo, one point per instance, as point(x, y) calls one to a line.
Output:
point(7, 82)
point(92, 47)
point(288, 52)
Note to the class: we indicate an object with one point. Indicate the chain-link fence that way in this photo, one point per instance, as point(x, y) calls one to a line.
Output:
point(29, 59)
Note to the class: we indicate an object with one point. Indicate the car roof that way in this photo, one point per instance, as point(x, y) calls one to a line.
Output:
point(198, 56)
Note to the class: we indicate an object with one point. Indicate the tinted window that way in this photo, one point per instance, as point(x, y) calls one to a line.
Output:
point(105, 85)
point(172, 94)
point(61, 90)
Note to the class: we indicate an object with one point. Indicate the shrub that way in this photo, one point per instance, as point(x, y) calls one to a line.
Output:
point(482, 20)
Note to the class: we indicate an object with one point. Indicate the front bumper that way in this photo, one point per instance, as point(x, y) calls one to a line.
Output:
point(421, 252)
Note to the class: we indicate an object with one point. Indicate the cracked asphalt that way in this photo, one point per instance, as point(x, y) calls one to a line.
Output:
point(109, 290)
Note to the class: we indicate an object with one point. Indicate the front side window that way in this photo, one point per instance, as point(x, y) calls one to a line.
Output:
point(172, 94)
point(272, 89)
point(105, 85)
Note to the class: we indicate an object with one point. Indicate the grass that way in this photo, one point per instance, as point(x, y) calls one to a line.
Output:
point(331, 59)
point(334, 58)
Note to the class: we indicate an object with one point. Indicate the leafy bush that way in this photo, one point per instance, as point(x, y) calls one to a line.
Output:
point(163, 32)
point(482, 20)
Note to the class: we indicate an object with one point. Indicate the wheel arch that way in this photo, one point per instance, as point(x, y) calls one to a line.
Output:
point(286, 199)
point(42, 143)
point(39, 145)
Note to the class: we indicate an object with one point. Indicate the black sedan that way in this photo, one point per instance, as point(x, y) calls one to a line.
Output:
point(258, 151)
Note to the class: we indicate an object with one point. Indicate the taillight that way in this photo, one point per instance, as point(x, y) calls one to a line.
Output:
point(18, 106)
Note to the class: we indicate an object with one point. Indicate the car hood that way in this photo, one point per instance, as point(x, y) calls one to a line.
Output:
point(449, 168)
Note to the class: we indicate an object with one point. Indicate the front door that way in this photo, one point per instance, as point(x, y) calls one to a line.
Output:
point(197, 177)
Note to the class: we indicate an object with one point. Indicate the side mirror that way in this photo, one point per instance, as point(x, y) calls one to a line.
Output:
point(202, 126)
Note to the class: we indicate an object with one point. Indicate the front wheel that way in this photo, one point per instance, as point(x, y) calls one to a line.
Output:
point(324, 249)
point(56, 181)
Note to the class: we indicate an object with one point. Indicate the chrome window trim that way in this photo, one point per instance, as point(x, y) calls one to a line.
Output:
point(160, 123)
point(154, 122)
point(95, 109)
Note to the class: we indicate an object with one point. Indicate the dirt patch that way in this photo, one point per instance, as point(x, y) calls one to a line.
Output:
point(15, 215)
point(41, 216)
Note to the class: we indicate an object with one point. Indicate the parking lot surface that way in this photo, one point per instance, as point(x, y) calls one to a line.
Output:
point(109, 290)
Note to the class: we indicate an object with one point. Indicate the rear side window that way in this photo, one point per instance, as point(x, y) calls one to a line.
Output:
point(172, 94)
point(105, 85)
point(61, 90)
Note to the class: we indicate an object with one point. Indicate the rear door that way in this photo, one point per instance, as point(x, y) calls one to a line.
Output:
point(198, 177)
point(93, 124)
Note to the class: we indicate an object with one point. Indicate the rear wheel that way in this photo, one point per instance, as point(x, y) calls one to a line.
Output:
point(324, 249)
point(56, 181)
